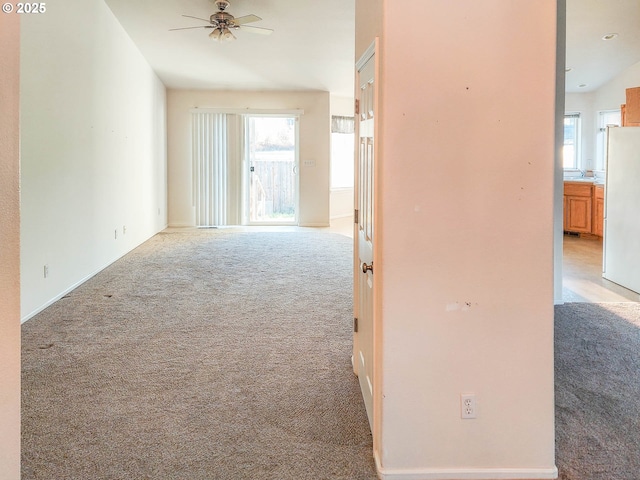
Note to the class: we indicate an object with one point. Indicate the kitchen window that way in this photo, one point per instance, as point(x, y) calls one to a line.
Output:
point(571, 147)
point(607, 118)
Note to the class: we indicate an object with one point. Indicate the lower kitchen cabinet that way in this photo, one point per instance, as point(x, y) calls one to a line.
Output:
point(598, 210)
point(578, 207)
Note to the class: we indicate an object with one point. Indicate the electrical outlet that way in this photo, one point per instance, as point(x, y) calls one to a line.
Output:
point(468, 406)
point(46, 271)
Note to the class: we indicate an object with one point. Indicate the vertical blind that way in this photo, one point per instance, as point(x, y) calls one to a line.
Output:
point(210, 168)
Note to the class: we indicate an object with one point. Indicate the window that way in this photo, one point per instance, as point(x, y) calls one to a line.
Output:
point(608, 118)
point(342, 151)
point(571, 148)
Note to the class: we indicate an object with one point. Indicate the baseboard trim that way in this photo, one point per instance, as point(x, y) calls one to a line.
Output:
point(50, 302)
point(466, 473)
point(312, 224)
point(71, 288)
point(181, 225)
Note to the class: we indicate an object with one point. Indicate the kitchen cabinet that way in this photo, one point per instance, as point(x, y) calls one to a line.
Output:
point(631, 110)
point(598, 210)
point(578, 207)
point(583, 208)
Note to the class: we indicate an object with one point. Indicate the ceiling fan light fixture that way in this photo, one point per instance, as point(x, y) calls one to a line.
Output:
point(223, 23)
point(222, 34)
point(226, 35)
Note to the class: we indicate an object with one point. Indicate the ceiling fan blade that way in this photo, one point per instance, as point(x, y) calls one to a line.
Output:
point(198, 18)
point(246, 19)
point(188, 28)
point(260, 30)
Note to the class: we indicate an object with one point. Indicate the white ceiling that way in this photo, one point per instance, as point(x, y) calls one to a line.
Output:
point(312, 47)
point(593, 61)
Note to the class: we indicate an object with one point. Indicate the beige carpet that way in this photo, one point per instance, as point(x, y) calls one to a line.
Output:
point(218, 355)
point(201, 355)
point(597, 353)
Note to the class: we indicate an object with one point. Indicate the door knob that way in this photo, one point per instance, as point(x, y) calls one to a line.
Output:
point(367, 268)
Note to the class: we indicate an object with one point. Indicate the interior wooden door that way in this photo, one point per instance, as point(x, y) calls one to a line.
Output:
point(364, 268)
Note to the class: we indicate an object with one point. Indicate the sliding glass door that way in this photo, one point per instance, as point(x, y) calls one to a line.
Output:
point(271, 156)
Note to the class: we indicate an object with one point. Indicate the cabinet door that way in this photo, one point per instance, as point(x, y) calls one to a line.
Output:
point(579, 213)
point(632, 107)
point(598, 211)
point(599, 217)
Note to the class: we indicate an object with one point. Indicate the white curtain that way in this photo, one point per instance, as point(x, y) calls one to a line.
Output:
point(210, 168)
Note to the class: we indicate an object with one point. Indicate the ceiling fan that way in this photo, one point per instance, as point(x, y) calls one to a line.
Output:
point(222, 23)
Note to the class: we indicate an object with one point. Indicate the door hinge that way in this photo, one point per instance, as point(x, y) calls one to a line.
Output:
point(355, 325)
point(355, 216)
point(357, 107)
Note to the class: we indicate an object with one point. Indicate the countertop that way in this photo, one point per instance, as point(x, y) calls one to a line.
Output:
point(592, 180)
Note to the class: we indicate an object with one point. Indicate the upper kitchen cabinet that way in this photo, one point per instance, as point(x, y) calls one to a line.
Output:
point(631, 109)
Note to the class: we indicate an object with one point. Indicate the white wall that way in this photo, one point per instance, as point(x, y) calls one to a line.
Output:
point(342, 106)
point(10, 250)
point(341, 203)
point(612, 94)
point(582, 103)
point(369, 24)
point(314, 145)
point(93, 148)
point(464, 235)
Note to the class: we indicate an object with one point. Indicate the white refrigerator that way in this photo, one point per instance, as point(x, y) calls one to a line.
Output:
point(621, 249)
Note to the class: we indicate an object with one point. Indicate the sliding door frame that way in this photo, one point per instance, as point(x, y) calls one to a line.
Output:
point(247, 173)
